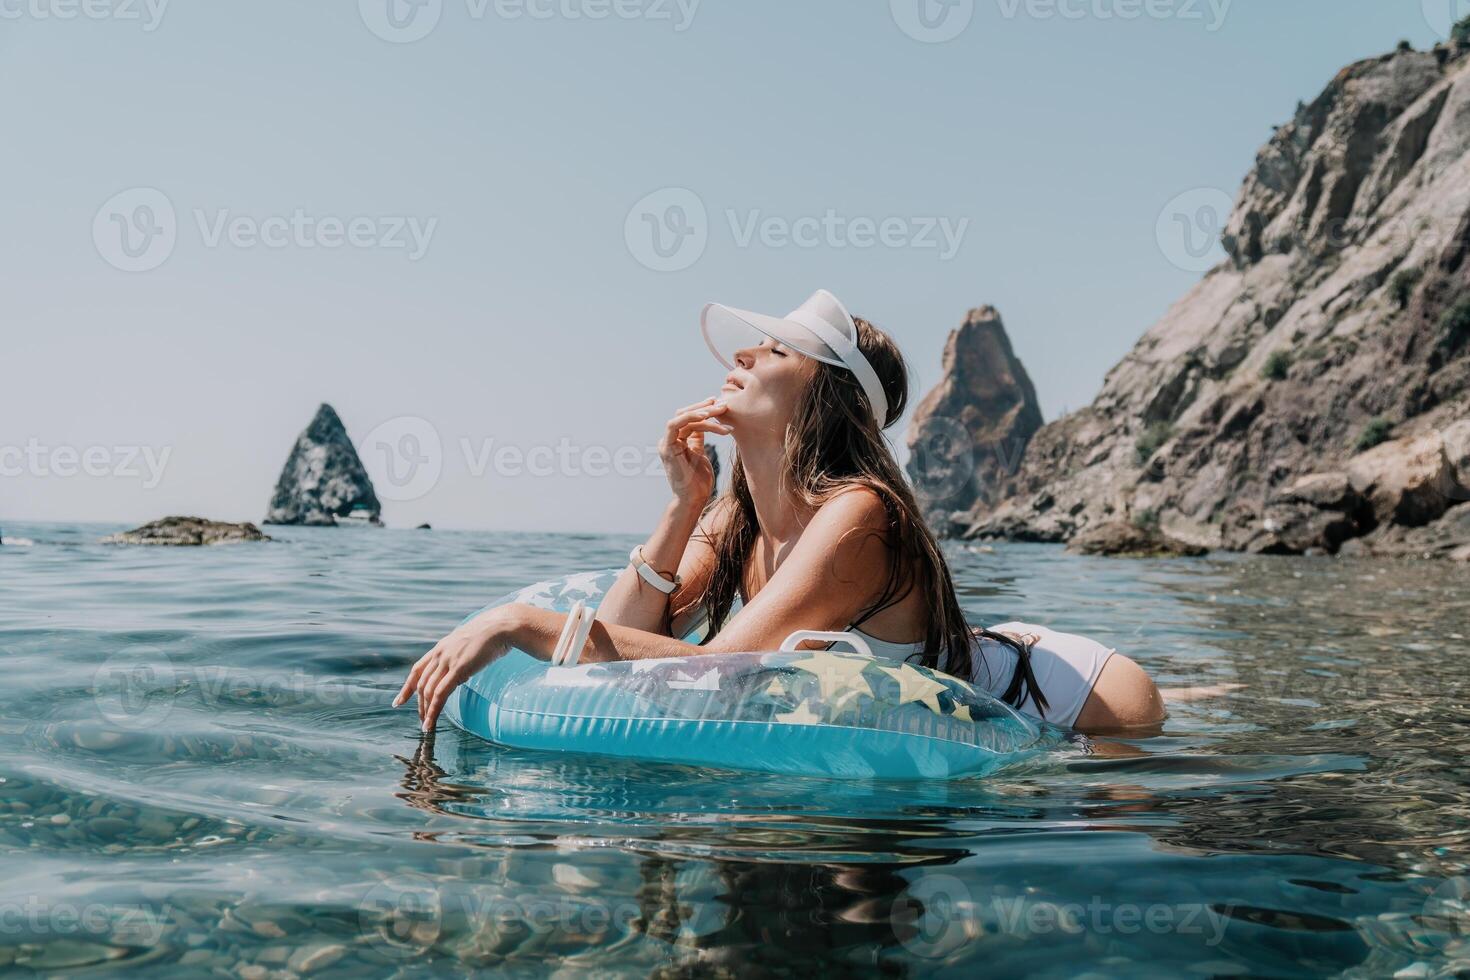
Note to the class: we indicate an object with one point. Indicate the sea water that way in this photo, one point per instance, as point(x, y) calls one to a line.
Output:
point(200, 774)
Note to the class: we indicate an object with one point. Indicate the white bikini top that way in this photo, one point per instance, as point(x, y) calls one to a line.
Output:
point(887, 649)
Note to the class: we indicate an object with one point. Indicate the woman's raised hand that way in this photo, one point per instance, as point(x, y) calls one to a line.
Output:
point(682, 450)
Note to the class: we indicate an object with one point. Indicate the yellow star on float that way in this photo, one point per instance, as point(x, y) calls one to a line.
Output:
point(837, 675)
point(776, 689)
point(803, 715)
point(914, 686)
point(963, 711)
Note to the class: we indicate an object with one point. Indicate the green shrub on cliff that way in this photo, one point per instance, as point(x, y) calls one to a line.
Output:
point(1461, 31)
point(1377, 430)
point(1276, 366)
point(1454, 327)
point(1402, 287)
point(1152, 438)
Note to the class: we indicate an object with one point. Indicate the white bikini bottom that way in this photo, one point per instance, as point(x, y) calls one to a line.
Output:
point(1066, 667)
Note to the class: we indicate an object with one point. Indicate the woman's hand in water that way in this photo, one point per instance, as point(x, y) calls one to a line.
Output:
point(682, 450)
point(454, 660)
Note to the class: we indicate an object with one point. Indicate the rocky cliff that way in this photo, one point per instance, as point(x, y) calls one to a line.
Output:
point(968, 433)
point(323, 478)
point(1310, 392)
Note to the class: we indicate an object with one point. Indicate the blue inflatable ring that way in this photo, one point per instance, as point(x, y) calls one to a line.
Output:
point(810, 713)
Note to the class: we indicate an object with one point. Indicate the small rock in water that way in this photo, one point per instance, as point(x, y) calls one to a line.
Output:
point(108, 828)
point(70, 953)
point(1128, 540)
point(310, 958)
point(187, 531)
point(423, 527)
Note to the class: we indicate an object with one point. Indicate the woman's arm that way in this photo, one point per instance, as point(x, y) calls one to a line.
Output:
point(633, 602)
point(838, 565)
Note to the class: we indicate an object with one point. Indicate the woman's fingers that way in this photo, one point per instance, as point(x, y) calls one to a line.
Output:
point(443, 687)
point(696, 405)
point(709, 425)
point(426, 684)
point(414, 673)
point(683, 418)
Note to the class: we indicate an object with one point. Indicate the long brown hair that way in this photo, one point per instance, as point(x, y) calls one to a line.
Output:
point(834, 444)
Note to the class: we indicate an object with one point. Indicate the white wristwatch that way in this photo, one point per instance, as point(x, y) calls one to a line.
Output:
point(648, 575)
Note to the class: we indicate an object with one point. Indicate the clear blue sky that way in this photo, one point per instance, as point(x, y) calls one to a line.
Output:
point(518, 146)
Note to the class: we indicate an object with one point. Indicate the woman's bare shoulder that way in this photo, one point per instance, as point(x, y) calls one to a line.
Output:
point(855, 505)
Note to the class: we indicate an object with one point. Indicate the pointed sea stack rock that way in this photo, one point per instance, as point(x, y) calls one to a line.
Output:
point(969, 433)
point(324, 479)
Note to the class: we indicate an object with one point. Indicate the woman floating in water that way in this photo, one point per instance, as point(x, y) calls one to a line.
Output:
point(818, 530)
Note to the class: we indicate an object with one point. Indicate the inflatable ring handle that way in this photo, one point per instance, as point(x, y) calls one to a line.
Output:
point(833, 636)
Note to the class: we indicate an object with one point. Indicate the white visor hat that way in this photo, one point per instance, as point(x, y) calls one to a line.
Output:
point(820, 328)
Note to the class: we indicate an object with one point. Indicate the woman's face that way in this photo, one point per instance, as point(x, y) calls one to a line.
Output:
point(763, 390)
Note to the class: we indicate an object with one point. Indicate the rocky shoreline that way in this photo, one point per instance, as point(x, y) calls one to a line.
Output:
point(1311, 394)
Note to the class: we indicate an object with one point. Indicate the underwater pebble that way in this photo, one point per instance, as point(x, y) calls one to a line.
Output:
point(310, 958)
point(108, 827)
point(250, 971)
point(194, 957)
point(61, 819)
point(569, 876)
point(268, 929)
point(66, 953)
